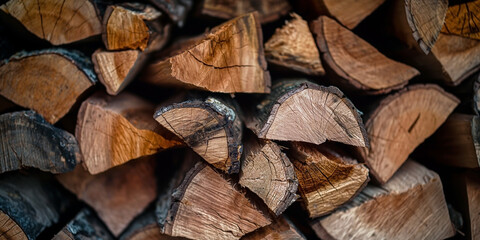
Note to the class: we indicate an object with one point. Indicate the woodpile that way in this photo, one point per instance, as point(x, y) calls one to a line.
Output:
point(222, 119)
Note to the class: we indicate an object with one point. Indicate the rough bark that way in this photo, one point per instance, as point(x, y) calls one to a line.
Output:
point(85, 225)
point(176, 10)
point(145, 227)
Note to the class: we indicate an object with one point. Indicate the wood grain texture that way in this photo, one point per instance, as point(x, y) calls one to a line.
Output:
point(268, 11)
point(410, 206)
point(472, 182)
point(356, 65)
point(325, 180)
point(114, 130)
point(281, 229)
point(298, 110)
point(27, 140)
point(292, 46)
point(85, 225)
point(117, 195)
point(219, 210)
point(268, 172)
point(229, 59)
point(145, 227)
point(29, 203)
point(48, 81)
point(463, 20)
point(57, 21)
point(210, 126)
point(400, 123)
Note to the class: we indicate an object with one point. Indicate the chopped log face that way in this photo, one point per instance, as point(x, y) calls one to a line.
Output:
point(47, 81)
point(268, 172)
point(56, 21)
point(293, 46)
point(354, 63)
point(85, 225)
point(177, 10)
point(325, 180)
point(117, 195)
point(280, 229)
point(229, 59)
point(210, 126)
point(298, 110)
point(268, 11)
point(410, 206)
point(458, 57)
point(27, 140)
point(29, 204)
point(456, 142)
point(114, 130)
point(462, 20)
point(207, 206)
point(400, 123)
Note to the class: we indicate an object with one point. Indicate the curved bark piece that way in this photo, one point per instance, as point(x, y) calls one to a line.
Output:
point(29, 203)
point(268, 11)
point(281, 229)
point(396, 210)
point(27, 140)
point(47, 81)
point(268, 172)
point(85, 225)
point(325, 180)
point(293, 46)
point(210, 126)
point(117, 195)
point(229, 59)
point(418, 22)
point(114, 130)
point(59, 22)
point(456, 143)
point(219, 210)
point(354, 63)
point(400, 123)
point(298, 110)
point(463, 20)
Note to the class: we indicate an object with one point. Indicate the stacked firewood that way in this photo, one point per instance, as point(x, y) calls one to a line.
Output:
point(222, 119)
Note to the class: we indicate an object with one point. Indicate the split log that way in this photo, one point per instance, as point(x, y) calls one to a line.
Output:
point(462, 20)
point(117, 195)
point(145, 227)
point(293, 46)
point(281, 229)
point(472, 189)
point(29, 203)
point(229, 59)
point(325, 180)
point(356, 65)
point(114, 130)
point(409, 206)
point(176, 10)
point(418, 22)
point(298, 110)
point(47, 81)
point(268, 172)
point(207, 206)
point(56, 22)
point(210, 126)
point(27, 140)
point(456, 142)
point(85, 225)
point(348, 12)
point(400, 122)
point(268, 11)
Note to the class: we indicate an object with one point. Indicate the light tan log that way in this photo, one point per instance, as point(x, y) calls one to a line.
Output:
point(298, 110)
point(292, 46)
point(355, 64)
point(229, 59)
point(409, 206)
point(114, 130)
point(281, 229)
point(58, 22)
point(326, 178)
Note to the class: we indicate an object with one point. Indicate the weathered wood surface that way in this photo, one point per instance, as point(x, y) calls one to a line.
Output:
point(85, 225)
point(281, 229)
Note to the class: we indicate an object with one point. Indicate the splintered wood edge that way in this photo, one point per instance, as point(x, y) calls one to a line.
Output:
point(317, 30)
point(223, 114)
point(307, 85)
